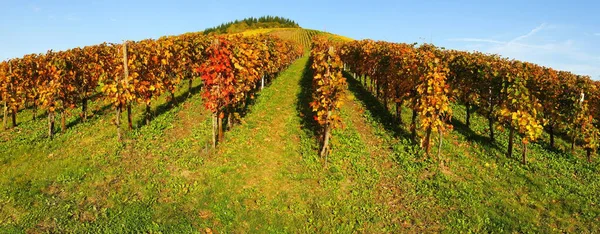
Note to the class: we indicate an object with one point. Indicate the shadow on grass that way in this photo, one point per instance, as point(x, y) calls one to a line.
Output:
point(243, 111)
point(253, 97)
point(41, 114)
point(166, 106)
point(470, 135)
point(376, 108)
point(95, 97)
point(304, 98)
point(556, 149)
point(44, 114)
point(95, 112)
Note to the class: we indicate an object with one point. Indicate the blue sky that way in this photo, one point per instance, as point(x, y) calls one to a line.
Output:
point(561, 34)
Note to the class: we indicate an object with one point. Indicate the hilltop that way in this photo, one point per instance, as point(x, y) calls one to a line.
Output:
point(238, 26)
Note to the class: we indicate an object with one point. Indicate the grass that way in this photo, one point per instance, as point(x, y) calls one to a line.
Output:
point(84, 177)
point(480, 189)
point(267, 177)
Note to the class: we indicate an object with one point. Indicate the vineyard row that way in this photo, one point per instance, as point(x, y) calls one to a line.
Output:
point(522, 97)
point(138, 72)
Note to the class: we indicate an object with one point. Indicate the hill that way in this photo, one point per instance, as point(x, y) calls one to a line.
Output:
point(273, 25)
point(267, 175)
point(252, 23)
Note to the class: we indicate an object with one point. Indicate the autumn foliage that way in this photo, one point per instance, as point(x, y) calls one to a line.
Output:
point(522, 97)
point(138, 72)
point(403, 73)
point(329, 86)
point(234, 67)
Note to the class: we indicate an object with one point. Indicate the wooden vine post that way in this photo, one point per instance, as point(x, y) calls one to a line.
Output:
point(5, 120)
point(51, 123)
point(4, 116)
point(13, 108)
point(120, 104)
point(126, 75)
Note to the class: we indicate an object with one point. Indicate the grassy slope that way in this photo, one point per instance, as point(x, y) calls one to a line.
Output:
point(85, 179)
point(267, 177)
point(300, 35)
point(479, 189)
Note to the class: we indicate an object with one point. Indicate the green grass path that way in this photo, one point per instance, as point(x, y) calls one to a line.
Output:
point(256, 180)
point(267, 176)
